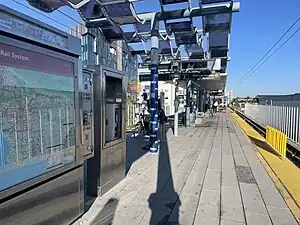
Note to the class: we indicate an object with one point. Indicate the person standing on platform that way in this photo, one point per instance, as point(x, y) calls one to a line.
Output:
point(144, 112)
point(215, 106)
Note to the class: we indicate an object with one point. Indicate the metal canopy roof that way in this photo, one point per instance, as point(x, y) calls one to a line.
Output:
point(166, 2)
point(113, 33)
point(195, 51)
point(185, 38)
point(218, 39)
point(45, 6)
point(186, 26)
point(213, 1)
point(218, 44)
point(217, 22)
point(143, 27)
point(91, 10)
point(119, 10)
point(111, 15)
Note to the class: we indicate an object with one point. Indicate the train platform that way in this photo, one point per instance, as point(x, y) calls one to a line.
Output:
point(207, 175)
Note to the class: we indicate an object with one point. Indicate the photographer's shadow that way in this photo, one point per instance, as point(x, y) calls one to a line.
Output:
point(165, 202)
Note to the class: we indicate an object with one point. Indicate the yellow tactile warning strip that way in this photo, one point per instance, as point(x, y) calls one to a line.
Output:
point(284, 173)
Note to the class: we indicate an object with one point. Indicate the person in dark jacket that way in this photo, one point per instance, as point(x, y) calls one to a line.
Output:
point(161, 113)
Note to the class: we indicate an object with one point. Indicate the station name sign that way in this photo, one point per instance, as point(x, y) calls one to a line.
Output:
point(25, 28)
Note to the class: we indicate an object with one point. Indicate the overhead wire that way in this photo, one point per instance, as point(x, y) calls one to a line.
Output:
point(250, 72)
point(292, 35)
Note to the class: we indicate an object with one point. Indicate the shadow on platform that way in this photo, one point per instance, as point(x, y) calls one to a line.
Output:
point(165, 202)
point(133, 149)
point(106, 215)
point(263, 145)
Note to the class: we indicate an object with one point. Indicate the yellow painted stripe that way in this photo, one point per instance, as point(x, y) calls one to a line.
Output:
point(285, 175)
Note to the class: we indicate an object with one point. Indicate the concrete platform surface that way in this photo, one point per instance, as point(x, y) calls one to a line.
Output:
point(208, 175)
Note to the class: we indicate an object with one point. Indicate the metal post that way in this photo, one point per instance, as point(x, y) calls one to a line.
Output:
point(199, 102)
point(154, 145)
point(176, 105)
point(187, 112)
point(162, 100)
point(162, 126)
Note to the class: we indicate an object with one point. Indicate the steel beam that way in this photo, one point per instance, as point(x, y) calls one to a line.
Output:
point(176, 105)
point(193, 12)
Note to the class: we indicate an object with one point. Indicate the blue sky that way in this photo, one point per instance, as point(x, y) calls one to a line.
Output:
point(257, 26)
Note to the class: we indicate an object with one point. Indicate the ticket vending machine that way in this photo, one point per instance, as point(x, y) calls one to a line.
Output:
point(107, 166)
point(86, 111)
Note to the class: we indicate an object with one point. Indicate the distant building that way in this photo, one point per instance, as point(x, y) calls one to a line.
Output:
point(229, 96)
point(292, 100)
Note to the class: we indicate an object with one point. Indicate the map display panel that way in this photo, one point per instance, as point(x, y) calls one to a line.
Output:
point(37, 114)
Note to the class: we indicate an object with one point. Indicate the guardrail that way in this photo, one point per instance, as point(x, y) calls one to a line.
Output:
point(276, 140)
point(292, 150)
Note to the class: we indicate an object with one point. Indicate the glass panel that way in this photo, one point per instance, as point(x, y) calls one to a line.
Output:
point(113, 109)
point(37, 114)
point(146, 27)
point(218, 39)
point(119, 10)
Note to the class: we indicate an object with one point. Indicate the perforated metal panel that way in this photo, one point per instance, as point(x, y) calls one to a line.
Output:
point(182, 38)
point(107, 2)
point(75, 2)
point(138, 52)
point(167, 51)
point(142, 28)
point(193, 48)
point(197, 55)
point(47, 6)
point(216, 53)
point(180, 26)
point(194, 51)
point(91, 10)
point(96, 24)
point(164, 44)
point(216, 22)
point(166, 2)
point(112, 33)
point(119, 10)
point(213, 1)
point(218, 39)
